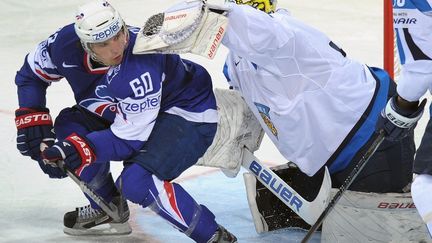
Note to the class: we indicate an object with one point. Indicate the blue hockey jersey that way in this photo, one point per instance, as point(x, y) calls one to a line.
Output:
point(61, 56)
point(141, 87)
point(130, 95)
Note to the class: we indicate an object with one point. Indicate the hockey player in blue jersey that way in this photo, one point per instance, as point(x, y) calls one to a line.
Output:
point(413, 28)
point(61, 56)
point(165, 119)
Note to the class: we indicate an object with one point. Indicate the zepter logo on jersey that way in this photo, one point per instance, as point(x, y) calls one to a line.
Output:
point(136, 106)
point(265, 115)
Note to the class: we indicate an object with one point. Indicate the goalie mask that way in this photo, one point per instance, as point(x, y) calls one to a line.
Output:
point(268, 6)
point(97, 22)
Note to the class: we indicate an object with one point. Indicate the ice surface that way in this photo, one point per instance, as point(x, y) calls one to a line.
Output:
point(32, 206)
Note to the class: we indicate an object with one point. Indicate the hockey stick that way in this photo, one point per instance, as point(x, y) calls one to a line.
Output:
point(110, 208)
point(308, 211)
point(354, 173)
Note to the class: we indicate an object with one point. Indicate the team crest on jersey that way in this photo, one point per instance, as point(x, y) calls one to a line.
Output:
point(112, 72)
point(265, 115)
point(103, 104)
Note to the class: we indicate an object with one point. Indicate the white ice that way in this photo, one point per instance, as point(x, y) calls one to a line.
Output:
point(32, 205)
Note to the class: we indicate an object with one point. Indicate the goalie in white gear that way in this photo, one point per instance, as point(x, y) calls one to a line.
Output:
point(317, 106)
point(413, 28)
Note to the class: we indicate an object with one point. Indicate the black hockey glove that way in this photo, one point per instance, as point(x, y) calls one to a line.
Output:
point(76, 152)
point(34, 126)
point(396, 122)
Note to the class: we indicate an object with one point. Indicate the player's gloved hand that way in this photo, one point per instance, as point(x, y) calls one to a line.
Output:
point(52, 170)
point(397, 122)
point(34, 126)
point(76, 152)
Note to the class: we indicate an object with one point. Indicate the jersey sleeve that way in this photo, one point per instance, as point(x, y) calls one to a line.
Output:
point(37, 73)
point(241, 36)
point(413, 28)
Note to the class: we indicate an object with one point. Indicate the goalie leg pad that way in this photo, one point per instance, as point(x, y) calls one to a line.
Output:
point(268, 212)
point(237, 128)
point(374, 217)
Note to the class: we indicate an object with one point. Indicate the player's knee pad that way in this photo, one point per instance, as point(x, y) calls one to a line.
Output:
point(95, 174)
point(135, 184)
point(69, 121)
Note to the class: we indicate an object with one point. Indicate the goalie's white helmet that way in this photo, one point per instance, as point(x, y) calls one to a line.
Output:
point(97, 22)
point(268, 6)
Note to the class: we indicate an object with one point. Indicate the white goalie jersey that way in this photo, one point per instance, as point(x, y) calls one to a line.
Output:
point(413, 27)
point(307, 94)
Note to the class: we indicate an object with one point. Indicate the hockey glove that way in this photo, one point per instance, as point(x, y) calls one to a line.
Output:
point(52, 170)
point(76, 152)
point(34, 126)
point(397, 122)
point(189, 26)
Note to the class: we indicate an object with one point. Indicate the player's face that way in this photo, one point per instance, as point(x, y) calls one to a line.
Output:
point(111, 52)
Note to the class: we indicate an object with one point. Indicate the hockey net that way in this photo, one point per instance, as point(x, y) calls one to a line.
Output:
point(391, 56)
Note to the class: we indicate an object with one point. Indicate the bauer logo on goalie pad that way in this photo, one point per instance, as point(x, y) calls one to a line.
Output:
point(396, 205)
point(173, 17)
point(216, 42)
point(285, 193)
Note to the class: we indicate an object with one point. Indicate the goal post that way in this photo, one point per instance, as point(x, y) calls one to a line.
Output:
point(389, 39)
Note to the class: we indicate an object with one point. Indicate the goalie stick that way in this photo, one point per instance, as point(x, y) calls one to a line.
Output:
point(357, 169)
point(309, 211)
point(110, 208)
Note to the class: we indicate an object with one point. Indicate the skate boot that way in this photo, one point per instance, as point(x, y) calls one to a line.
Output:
point(222, 235)
point(88, 221)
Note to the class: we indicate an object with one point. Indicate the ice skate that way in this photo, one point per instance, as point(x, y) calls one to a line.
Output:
point(222, 235)
point(88, 221)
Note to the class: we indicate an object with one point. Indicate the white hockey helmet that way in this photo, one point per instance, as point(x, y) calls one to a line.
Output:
point(97, 21)
point(268, 6)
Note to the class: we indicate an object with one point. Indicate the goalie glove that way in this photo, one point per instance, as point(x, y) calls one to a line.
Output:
point(397, 122)
point(190, 26)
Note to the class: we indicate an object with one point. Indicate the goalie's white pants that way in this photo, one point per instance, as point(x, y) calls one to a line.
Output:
point(421, 191)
